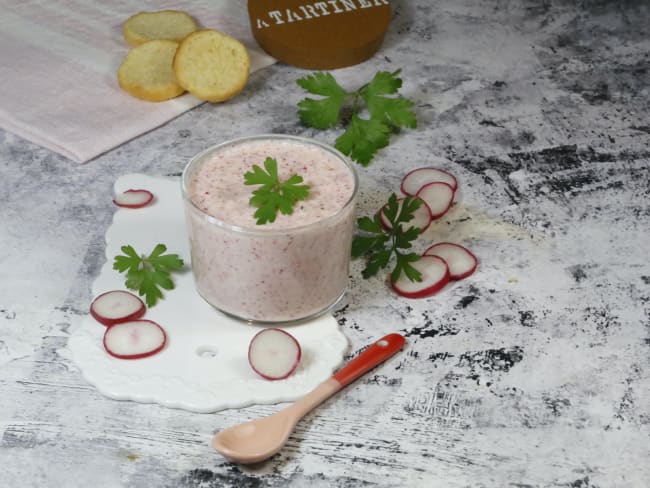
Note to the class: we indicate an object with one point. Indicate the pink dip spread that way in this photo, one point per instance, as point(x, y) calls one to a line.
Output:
point(291, 269)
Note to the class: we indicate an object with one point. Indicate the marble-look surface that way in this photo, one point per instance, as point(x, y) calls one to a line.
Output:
point(534, 372)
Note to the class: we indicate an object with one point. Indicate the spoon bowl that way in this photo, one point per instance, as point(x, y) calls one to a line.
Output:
point(257, 440)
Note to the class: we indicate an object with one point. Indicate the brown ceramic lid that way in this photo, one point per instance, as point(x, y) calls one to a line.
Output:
point(319, 34)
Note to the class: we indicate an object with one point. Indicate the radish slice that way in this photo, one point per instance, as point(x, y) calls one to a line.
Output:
point(274, 354)
point(116, 306)
point(417, 178)
point(134, 339)
point(421, 217)
point(460, 260)
point(133, 198)
point(435, 275)
point(438, 196)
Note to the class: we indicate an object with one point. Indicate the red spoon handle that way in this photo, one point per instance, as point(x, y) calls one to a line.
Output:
point(377, 353)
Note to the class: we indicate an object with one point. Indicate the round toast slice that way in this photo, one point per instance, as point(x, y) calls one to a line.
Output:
point(147, 72)
point(173, 25)
point(211, 65)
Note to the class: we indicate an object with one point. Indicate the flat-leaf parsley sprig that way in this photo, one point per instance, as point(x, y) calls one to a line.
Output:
point(274, 194)
point(363, 137)
point(379, 244)
point(147, 274)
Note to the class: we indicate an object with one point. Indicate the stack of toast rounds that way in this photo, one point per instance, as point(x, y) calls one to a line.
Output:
point(171, 55)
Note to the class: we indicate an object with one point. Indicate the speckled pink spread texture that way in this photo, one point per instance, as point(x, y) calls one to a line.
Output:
point(218, 187)
point(297, 269)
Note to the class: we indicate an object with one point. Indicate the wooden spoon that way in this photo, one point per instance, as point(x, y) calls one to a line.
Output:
point(257, 440)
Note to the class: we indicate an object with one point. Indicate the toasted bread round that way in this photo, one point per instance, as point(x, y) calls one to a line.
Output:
point(172, 25)
point(211, 65)
point(147, 71)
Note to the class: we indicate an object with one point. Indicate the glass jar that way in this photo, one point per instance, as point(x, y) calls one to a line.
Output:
point(291, 270)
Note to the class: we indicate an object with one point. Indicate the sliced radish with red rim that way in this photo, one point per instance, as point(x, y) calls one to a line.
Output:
point(435, 275)
point(133, 198)
point(417, 178)
point(421, 217)
point(135, 339)
point(274, 354)
point(460, 260)
point(116, 306)
point(438, 196)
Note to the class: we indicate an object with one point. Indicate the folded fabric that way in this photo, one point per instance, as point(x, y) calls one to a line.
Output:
point(58, 65)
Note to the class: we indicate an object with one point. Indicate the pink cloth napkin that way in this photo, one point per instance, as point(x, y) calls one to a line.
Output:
point(58, 70)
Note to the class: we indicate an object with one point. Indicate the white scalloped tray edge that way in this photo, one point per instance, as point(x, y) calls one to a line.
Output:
point(204, 366)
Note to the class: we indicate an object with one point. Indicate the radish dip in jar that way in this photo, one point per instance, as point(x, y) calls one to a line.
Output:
point(283, 271)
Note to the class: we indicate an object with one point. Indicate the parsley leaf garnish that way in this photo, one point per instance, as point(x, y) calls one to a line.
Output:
point(323, 113)
point(274, 194)
point(379, 244)
point(147, 274)
point(363, 137)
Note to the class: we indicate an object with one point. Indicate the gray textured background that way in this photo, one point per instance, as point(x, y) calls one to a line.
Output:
point(534, 372)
